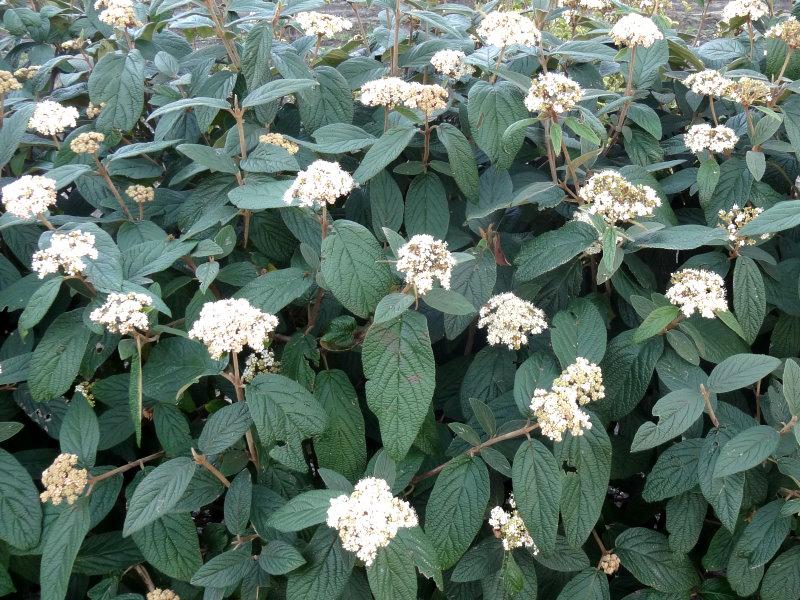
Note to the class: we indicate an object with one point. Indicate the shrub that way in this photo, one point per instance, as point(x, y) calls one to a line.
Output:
point(476, 303)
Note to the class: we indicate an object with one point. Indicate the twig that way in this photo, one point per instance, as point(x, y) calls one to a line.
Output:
point(101, 169)
point(599, 541)
point(709, 409)
point(201, 460)
point(788, 426)
point(136, 463)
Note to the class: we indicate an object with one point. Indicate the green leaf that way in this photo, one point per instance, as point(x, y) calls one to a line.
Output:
point(190, 103)
point(553, 249)
point(492, 108)
point(385, 149)
point(62, 540)
point(400, 370)
point(449, 302)
point(174, 364)
point(226, 569)
point(305, 510)
point(135, 389)
point(20, 507)
point(461, 159)
point(655, 322)
point(391, 576)
point(422, 553)
point(757, 163)
point(747, 449)
point(329, 102)
point(646, 554)
point(342, 446)
point(118, 81)
point(456, 506)
point(158, 492)
point(675, 471)
point(589, 584)
point(646, 118)
point(763, 536)
point(280, 558)
point(782, 581)
point(341, 137)
point(749, 297)
point(782, 216)
point(741, 370)
point(327, 570)
point(578, 331)
point(676, 412)
point(707, 179)
point(13, 130)
point(275, 290)
point(208, 157)
point(354, 267)
point(536, 477)
point(57, 358)
point(40, 302)
point(686, 514)
point(725, 494)
point(238, 501)
point(276, 89)
point(80, 433)
point(391, 306)
point(224, 428)
point(426, 209)
point(386, 204)
point(171, 545)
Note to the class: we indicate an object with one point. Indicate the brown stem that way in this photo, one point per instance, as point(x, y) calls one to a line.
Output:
point(396, 41)
point(702, 23)
point(230, 47)
point(624, 112)
point(571, 170)
point(752, 36)
point(786, 61)
point(201, 460)
point(313, 314)
point(427, 146)
point(713, 110)
point(709, 409)
point(316, 48)
point(107, 178)
point(493, 78)
point(385, 118)
point(236, 380)
point(551, 159)
point(136, 463)
point(2, 108)
point(145, 576)
point(788, 426)
point(45, 221)
point(359, 21)
point(600, 543)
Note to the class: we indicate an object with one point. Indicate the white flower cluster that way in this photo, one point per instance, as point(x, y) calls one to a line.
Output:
point(160, 594)
point(94, 109)
point(51, 118)
point(616, 199)
point(62, 481)
point(553, 93)
point(708, 82)
point(748, 91)
point(635, 30)
point(25, 73)
point(66, 251)
point(257, 363)
point(509, 319)
point(697, 290)
point(369, 518)
point(787, 31)
point(705, 137)
point(280, 140)
point(736, 218)
point(426, 98)
point(423, 259)
point(85, 389)
point(8, 83)
point(230, 325)
point(322, 182)
point(321, 24)
point(752, 10)
point(117, 13)
point(501, 29)
point(87, 142)
point(451, 63)
point(609, 563)
point(29, 196)
point(74, 44)
point(509, 527)
point(388, 91)
point(123, 313)
point(140, 193)
point(586, 5)
point(558, 410)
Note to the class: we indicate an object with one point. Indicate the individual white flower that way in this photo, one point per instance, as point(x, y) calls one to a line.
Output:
point(787, 31)
point(160, 594)
point(635, 30)
point(66, 252)
point(259, 362)
point(451, 63)
point(752, 10)
point(369, 518)
point(553, 93)
point(509, 527)
point(117, 13)
point(280, 140)
point(609, 563)
point(616, 199)
point(63, 481)
point(697, 290)
point(748, 91)
point(321, 24)
point(502, 29)
point(423, 259)
point(426, 98)
point(29, 196)
point(8, 83)
point(123, 313)
point(705, 137)
point(708, 82)
point(388, 91)
point(230, 325)
point(736, 218)
point(140, 193)
point(509, 320)
point(323, 182)
point(88, 142)
point(51, 118)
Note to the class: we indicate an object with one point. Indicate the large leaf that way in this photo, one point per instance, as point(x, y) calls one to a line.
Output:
point(62, 540)
point(326, 572)
point(676, 412)
point(553, 248)
point(171, 545)
point(175, 364)
point(493, 107)
point(646, 554)
point(746, 450)
point(741, 370)
point(342, 446)
point(462, 159)
point(20, 508)
point(536, 478)
point(57, 359)
point(117, 80)
point(385, 149)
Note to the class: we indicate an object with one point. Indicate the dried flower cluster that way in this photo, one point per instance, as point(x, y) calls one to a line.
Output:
point(705, 137)
point(259, 362)
point(558, 410)
point(422, 260)
point(426, 98)
point(502, 29)
point(230, 325)
point(697, 290)
point(509, 320)
point(708, 82)
point(509, 527)
point(8, 83)
point(787, 31)
point(323, 182)
point(451, 64)
point(66, 252)
point(140, 193)
point(117, 13)
point(616, 199)
point(553, 93)
point(369, 518)
point(748, 91)
point(635, 30)
point(29, 196)
point(25, 73)
point(751, 10)
point(63, 481)
point(321, 24)
point(280, 140)
point(88, 142)
point(736, 218)
point(51, 118)
point(123, 313)
point(160, 594)
point(609, 563)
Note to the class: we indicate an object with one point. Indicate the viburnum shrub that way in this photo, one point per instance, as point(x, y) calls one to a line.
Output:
point(443, 303)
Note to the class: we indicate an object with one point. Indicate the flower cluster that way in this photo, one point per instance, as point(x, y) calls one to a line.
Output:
point(509, 527)
point(140, 193)
point(159, 594)
point(451, 64)
point(369, 518)
point(708, 82)
point(751, 10)
point(259, 362)
point(558, 410)
point(72, 45)
point(388, 92)
point(635, 30)
point(323, 182)
point(87, 143)
point(29, 196)
point(736, 218)
point(321, 24)
point(787, 31)
point(84, 388)
point(553, 93)
point(8, 83)
point(502, 29)
point(609, 563)
point(117, 13)
point(280, 140)
point(705, 137)
point(51, 118)
point(509, 319)
point(230, 325)
point(62, 481)
point(426, 98)
point(94, 109)
point(123, 313)
point(66, 252)
point(423, 259)
point(25, 73)
point(616, 199)
point(748, 91)
point(697, 290)
point(586, 5)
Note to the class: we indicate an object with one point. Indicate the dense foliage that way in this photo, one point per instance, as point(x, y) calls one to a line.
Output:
point(453, 304)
